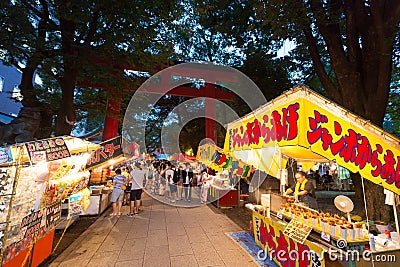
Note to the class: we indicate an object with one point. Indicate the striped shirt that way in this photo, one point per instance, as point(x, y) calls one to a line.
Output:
point(119, 180)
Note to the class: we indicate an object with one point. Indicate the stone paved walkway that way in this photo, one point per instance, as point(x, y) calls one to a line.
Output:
point(161, 235)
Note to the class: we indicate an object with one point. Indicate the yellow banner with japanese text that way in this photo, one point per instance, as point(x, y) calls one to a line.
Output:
point(304, 125)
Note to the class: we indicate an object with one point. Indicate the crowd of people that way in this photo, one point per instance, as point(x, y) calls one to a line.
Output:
point(329, 176)
point(174, 181)
point(179, 181)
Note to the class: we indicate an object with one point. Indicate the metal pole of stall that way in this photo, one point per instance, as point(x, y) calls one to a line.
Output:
point(238, 189)
point(396, 218)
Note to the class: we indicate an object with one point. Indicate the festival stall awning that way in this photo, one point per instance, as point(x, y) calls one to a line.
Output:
point(303, 125)
point(218, 160)
point(46, 149)
point(112, 152)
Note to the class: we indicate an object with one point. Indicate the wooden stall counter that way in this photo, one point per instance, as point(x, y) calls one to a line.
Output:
point(224, 197)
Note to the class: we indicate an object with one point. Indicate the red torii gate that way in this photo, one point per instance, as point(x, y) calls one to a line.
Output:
point(210, 91)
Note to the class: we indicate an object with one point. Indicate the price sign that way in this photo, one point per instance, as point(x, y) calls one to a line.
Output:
point(279, 215)
point(326, 237)
point(297, 231)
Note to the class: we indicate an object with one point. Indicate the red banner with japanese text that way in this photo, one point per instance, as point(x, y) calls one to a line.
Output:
point(108, 150)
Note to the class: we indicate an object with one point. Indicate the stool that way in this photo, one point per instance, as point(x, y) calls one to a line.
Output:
point(244, 197)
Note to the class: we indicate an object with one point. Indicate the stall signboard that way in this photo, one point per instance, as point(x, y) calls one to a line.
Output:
point(79, 202)
point(283, 250)
point(297, 231)
point(39, 223)
point(217, 159)
point(5, 155)
point(304, 125)
point(31, 224)
point(53, 215)
point(109, 149)
point(47, 150)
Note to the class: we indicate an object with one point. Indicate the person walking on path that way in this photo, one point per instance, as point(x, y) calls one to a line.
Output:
point(127, 192)
point(344, 177)
point(169, 176)
point(118, 192)
point(149, 177)
point(137, 177)
point(187, 175)
point(206, 181)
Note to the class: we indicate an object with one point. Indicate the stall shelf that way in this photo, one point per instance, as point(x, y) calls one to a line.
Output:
point(223, 197)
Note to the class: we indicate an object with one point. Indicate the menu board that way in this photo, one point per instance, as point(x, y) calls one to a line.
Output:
point(2, 231)
point(297, 231)
point(6, 181)
point(47, 150)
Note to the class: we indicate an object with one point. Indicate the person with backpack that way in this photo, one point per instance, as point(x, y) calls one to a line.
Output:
point(117, 195)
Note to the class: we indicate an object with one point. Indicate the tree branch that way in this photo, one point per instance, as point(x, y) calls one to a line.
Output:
point(45, 16)
point(92, 28)
point(319, 66)
point(352, 34)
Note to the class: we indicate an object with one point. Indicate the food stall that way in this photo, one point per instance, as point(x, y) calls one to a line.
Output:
point(101, 162)
point(222, 193)
point(309, 128)
point(36, 178)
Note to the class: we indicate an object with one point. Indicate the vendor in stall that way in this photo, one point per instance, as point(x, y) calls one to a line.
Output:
point(303, 190)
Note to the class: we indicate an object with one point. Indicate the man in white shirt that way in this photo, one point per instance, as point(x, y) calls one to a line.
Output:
point(136, 176)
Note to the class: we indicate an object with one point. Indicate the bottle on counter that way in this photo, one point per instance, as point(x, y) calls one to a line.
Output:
point(371, 242)
point(388, 236)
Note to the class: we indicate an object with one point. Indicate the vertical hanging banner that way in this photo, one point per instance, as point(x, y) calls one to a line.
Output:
point(215, 158)
point(53, 215)
point(47, 150)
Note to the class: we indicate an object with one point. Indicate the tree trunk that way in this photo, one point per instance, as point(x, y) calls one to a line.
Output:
point(362, 63)
point(26, 85)
point(66, 115)
point(46, 123)
point(356, 178)
point(377, 210)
